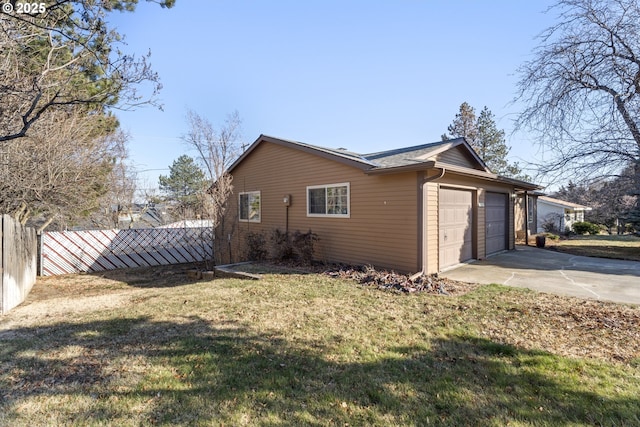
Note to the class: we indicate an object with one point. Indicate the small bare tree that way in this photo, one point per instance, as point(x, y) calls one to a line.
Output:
point(61, 172)
point(217, 149)
point(121, 185)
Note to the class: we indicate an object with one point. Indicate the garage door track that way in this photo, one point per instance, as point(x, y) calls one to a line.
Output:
point(554, 272)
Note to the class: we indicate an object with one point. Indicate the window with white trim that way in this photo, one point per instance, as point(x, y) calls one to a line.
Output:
point(330, 200)
point(249, 206)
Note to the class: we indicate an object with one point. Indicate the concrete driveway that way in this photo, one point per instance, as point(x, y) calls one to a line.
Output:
point(553, 272)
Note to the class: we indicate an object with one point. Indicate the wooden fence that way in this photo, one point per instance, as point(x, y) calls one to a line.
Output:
point(18, 255)
point(97, 250)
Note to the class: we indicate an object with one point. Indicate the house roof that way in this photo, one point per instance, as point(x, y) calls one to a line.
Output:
point(343, 156)
point(419, 154)
point(419, 157)
point(563, 204)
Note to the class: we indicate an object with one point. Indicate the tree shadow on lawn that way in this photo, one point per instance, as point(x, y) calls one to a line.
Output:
point(190, 371)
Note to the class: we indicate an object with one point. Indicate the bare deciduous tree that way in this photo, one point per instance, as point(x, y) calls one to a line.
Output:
point(120, 186)
point(582, 89)
point(217, 149)
point(62, 170)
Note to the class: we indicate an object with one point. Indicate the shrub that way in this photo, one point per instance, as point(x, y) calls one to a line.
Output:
point(281, 247)
point(552, 236)
point(302, 244)
point(299, 246)
point(584, 227)
point(551, 223)
point(256, 247)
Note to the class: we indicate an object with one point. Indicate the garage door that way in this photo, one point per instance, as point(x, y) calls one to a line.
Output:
point(496, 222)
point(456, 226)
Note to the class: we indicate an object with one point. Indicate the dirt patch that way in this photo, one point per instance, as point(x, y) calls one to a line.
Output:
point(60, 297)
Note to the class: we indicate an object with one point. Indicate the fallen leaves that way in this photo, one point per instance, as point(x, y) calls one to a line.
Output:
point(563, 325)
point(392, 281)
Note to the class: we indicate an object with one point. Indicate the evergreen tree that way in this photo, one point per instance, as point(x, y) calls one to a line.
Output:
point(67, 54)
point(464, 125)
point(485, 138)
point(184, 185)
point(490, 143)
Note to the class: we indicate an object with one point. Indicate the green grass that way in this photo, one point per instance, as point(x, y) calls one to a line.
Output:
point(306, 350)
point(625, 247)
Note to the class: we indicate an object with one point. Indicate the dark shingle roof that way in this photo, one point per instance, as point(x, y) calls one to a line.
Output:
point(405, 156)
point(334, 151)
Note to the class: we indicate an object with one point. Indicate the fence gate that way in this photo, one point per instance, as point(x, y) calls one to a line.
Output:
point(97, 250)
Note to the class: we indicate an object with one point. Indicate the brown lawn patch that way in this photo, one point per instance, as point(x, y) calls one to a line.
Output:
point(626, 247)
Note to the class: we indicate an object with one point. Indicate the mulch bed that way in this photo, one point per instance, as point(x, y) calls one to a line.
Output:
point(395, 282)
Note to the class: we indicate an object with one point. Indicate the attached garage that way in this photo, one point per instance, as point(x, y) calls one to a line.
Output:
point(496, 222)
point(455, 226)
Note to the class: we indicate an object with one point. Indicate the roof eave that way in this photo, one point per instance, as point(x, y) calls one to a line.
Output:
point(564, 205)
point(430, 164)
point(518, 184)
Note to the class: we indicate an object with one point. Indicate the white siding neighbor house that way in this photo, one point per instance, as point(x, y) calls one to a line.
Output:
point(559, 213)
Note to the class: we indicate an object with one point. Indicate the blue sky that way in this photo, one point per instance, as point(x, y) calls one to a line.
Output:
point(364, 75)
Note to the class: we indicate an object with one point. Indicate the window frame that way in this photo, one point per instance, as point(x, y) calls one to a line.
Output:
point(327, 186)
point(250, 194)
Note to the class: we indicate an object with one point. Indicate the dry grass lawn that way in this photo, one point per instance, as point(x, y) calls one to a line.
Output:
point(149, 347)
point(604, 246)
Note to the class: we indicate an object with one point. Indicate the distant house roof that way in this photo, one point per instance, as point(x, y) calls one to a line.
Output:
point(189, 223)
point(419, 157)
point(563, 204)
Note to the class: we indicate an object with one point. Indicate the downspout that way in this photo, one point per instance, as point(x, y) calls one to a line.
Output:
point(286, 220)
point(423, 245)
point(526, 218)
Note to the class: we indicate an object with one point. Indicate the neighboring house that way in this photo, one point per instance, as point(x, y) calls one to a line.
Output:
point(558, 214)
point(148, 215)
point(189, 223)
point(422, 208)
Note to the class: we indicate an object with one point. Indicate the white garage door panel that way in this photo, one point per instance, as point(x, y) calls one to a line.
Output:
point(496, 222)
point(456, 226)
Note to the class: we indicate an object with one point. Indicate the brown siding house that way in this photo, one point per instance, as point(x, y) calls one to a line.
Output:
point(423, 208)
point(527, 216)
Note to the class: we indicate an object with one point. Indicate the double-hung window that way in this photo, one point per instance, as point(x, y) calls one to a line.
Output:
point(328, 200)
point(249, 206)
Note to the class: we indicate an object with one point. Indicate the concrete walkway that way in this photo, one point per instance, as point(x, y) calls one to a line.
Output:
point(553, 272)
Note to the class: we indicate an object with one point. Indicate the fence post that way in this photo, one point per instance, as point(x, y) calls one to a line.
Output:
point(2, 296)
point(39, 254)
